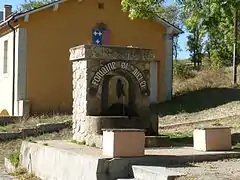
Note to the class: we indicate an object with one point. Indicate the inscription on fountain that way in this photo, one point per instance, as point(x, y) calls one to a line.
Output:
point(122, 65)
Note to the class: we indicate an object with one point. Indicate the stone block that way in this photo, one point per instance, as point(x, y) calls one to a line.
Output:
point(212, 139)
point(47, 127)
point(123, 142)
point(26, 132)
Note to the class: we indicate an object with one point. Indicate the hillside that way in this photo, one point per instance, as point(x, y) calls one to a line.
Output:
point(206, 95)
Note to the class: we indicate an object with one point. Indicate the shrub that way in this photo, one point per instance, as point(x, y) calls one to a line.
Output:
point(182, 70)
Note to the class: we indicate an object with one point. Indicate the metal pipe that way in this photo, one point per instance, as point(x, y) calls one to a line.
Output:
point(14, 59)
point(235, 53)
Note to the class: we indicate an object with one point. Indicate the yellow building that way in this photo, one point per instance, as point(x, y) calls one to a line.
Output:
point(34, 51)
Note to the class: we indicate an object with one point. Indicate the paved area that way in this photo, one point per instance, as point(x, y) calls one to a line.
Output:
point(177, 151)
point(183, 151)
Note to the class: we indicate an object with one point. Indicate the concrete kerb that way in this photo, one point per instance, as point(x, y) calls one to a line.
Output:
point(45, 158)
point(39, 129)
point(105, 168)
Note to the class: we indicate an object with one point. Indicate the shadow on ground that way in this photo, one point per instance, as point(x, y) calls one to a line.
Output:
point(188, 141)
point(197, 101)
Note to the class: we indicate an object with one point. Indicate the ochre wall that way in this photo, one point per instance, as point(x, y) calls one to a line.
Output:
point(51, 33)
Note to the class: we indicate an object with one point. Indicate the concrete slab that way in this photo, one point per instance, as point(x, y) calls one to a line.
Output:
point(62, 160)
point(5, 176)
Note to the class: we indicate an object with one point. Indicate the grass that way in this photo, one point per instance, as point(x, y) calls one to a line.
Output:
point(236, 146)
point(178, 135)
point(202, 80)
point(10, 147)
point(32, 122)
point(14, 158)
point(79, 142)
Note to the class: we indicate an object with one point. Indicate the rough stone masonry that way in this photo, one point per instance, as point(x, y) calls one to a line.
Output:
point(107, 78)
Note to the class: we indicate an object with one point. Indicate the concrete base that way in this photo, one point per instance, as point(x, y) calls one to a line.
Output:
point(62, 160)
point(212, 139)
point(123, 142)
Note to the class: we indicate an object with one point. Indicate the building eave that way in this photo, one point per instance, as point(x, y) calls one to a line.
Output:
point(27, 13)
point(175, 30)
point(55, 5)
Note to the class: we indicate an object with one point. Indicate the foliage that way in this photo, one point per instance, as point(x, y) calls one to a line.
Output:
point(195, 46)
point(14, 158)
point(32, 4)
point(214, 20)
point(171, 13)
point(182, 70)
point(141, 9)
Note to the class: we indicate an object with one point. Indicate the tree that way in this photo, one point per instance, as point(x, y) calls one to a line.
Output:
point(143, 9)
point(172, 14)
point(216, 23)
point(195, 47)
point(32, 4)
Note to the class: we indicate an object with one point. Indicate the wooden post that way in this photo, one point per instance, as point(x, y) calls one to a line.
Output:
point(235, 54)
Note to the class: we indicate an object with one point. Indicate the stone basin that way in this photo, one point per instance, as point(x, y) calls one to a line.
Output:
point(97, 123)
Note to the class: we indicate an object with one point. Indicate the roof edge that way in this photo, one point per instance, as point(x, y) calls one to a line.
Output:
point(168, 24)
point(20, 15)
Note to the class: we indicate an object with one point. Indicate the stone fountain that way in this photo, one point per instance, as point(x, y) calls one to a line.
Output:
point(110, 91)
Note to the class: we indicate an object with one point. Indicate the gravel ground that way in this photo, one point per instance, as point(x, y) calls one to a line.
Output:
point(218, 170)
point(225, 115)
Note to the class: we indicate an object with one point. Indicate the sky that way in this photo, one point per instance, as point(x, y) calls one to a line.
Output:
point(182, 39)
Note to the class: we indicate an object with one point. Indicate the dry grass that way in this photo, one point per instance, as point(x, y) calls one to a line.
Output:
point(22, 174)
point(32, 122)
point(203, 79)
point(232, 122)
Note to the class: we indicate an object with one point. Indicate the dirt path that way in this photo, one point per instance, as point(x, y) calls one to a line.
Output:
point(218, 170)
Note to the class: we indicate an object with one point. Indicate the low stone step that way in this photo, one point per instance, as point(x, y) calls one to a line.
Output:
point(154, 173)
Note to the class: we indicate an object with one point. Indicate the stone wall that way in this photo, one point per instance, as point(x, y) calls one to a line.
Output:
point(91, 65)
point(79, 69)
